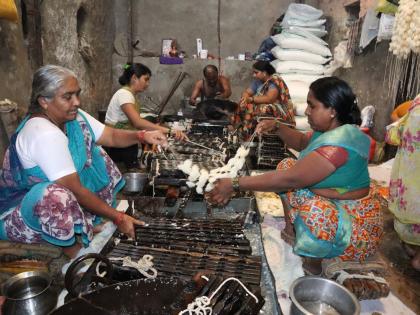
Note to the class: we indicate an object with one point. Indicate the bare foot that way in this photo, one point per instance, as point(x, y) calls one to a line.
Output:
point(415, 262)
point(71, 251)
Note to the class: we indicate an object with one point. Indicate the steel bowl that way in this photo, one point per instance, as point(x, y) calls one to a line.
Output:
point(29, 293)
point(135, 182)
point(319, 296)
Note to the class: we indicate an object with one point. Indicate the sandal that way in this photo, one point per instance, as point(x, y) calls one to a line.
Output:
point(363, 279)
point(365, 286)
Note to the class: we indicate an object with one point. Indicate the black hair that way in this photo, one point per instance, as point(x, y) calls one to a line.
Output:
point(336, 93)
point(210, 68)
point(137, 69)
point(262, 65)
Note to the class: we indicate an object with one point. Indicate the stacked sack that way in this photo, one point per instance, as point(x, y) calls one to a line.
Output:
point(301, 54)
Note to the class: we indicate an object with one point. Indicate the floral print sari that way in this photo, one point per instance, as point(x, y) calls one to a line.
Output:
point(404, 186)
point(33, 209)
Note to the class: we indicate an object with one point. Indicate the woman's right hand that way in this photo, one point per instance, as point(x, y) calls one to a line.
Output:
point(266, 126)
point(179, 135)
point(126, 225)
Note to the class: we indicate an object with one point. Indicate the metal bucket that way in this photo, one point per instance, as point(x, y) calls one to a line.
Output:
point(320, 296)
point(135, 182)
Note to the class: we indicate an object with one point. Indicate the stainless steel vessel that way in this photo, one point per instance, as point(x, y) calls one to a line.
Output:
point(29, 293)
point(319, 296)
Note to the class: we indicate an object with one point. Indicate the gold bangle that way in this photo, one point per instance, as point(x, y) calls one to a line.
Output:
point(235, 184)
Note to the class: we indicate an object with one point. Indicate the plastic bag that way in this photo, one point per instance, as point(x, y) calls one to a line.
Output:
point(367, 114)
point(386, 24)
point(8, 10)
point(302, 12)
point(369, 28)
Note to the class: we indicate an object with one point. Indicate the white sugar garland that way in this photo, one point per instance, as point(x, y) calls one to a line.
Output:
point(204, 180)
point(143, 265)
point(200, 306)
point(406, 34)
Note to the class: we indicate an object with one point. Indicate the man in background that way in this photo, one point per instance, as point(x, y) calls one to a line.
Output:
point(212, 86)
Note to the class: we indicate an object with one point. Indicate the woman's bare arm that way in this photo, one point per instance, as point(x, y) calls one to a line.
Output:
point(138, 122)
point(310, 170)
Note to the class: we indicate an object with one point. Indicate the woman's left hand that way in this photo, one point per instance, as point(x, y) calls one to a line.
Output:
point(156, 137)
point(222, 192)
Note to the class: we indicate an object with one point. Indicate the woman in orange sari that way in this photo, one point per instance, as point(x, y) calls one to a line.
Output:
point(268, 96)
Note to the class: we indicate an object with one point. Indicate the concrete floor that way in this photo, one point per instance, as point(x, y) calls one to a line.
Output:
point(403, 279)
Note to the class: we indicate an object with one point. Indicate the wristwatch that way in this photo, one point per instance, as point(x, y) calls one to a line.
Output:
point(235, 184)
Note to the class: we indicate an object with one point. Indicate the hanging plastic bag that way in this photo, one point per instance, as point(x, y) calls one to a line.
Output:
point(386, 24)
point(370, 28)
point(8, 10)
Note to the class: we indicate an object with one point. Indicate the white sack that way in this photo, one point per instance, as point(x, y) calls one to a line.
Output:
point(298, 55)
point(317, 31)
point(305, 34)
point(309, 78)
point(301, 43)
point(302, 12)
point(297, 67)
point(296, 22)
point(298, 90)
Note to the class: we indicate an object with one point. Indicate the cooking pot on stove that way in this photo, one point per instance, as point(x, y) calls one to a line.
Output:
point(135, 182)
point(29, 293)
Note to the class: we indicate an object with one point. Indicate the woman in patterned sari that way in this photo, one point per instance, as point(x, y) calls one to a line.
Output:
point(326, 192)
point(404, 187)
point(56, 181)
point(267, 96)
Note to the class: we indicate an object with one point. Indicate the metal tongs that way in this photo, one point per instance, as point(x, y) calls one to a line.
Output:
point(203, 146)
point(162, 151)
point(251, 139)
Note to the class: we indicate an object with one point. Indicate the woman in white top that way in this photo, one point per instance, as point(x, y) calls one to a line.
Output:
point(56, 181)
point(124, 111)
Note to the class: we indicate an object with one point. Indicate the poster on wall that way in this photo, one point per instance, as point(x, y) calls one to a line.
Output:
point(166, 47)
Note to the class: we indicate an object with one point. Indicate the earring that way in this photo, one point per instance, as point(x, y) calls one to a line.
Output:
point(332, 116)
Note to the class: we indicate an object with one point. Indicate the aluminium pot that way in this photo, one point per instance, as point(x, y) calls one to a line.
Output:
point(316, 295)
point(135, 182)
point(29, 293)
